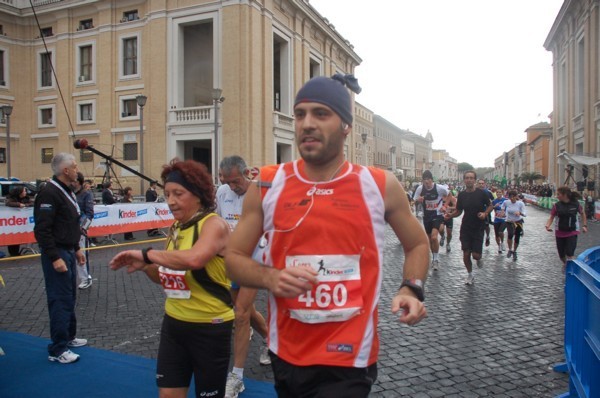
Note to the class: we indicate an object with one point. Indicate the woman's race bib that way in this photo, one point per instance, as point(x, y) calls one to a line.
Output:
point(173, 283)
point(337, 296)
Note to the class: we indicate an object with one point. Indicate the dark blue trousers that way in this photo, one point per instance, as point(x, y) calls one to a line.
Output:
point(61, 292)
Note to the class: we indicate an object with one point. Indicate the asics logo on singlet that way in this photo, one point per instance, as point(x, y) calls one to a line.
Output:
point(319, 191)
point(209, 393)
point(347, 348)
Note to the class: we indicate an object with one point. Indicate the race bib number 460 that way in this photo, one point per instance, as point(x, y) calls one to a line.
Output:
point(338, 295)
point(173, 283)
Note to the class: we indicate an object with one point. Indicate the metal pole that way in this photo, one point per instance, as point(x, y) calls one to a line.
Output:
point(8, 146)
point(141, 149)
point(216, 169)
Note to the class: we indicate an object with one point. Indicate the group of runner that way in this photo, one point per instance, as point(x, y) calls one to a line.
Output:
point(440, 205)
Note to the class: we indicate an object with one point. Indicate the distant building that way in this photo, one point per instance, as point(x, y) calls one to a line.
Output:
point(176, 53)
point(574, 42)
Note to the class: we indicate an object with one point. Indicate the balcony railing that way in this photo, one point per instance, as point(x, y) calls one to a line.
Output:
point(194, 115)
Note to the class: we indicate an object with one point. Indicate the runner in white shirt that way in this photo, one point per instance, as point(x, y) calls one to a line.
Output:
point(514, 211)
point(230, 197)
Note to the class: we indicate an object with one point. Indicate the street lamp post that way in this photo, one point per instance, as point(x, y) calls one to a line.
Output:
point(141, 101)
point(363, 136)
point(7, 110)
point(217, 98)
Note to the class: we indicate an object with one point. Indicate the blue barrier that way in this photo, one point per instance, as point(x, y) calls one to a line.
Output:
point(582, 325)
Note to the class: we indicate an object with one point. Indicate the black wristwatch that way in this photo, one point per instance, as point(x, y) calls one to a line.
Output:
point(416, 285)
point(145, 255)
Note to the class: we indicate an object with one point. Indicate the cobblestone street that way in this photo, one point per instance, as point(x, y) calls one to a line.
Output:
point(499, 337)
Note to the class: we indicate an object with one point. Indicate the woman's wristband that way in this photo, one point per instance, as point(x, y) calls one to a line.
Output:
point(145, 255)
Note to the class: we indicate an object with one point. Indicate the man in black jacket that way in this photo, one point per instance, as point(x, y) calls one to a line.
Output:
point(108, 198)
point(57, 232)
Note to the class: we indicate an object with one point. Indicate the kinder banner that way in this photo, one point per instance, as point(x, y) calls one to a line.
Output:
point(16, 224)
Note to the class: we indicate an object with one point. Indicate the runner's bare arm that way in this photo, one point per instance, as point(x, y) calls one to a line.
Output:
point(245, 271)
point(407, 228)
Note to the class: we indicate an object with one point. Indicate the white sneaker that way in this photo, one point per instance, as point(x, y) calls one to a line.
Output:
point(86, 283)
point(435, 265)
point(470, 279)
point(77, 342)
point(234, 386)
point(448, 250)
point(264, 356)
point(66, 357)
point(251, 333)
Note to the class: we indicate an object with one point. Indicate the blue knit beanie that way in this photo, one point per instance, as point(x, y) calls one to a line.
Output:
point(331, 92)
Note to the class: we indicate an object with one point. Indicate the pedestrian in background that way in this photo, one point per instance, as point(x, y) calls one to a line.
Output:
point(152, 196)
point(85, 200)
point(321, 252)
point(57, 232)
point(195, 337)
point(567, 227)
point(108, 197)
point(18, 198)
point(127, 198)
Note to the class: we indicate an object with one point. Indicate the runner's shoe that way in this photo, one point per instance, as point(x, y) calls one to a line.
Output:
point(435, 265)
point(86, 283)
point(442, 239)
point(264, 356)
point(480, 263)
point(514, 254)
point(64, 358)
point(509, 254)
point(487, 241)
point(470, 279)
point(234, 386)
point(77, 342)
point(448, 250)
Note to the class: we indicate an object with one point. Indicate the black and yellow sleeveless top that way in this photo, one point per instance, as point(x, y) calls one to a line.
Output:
point(210, 300)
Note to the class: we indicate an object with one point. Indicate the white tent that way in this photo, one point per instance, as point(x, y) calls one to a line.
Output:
point(565, 158)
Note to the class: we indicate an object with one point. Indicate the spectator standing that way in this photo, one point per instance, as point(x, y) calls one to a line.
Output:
point(152, 196)
point(85, 200)
point(57, 232)
point(128, 198)
point(108, 197)
point(18, 198)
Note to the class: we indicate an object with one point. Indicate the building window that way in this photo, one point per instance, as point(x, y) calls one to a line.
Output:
point(46, 69)
point(85, 155)
point(1, 29)
point(2, 79)
point(2, 155)
point(129, 108)
point(130, 151)
point(86, 24)
point(47, 155)
point(130, 16)
point(130, 57)
point(85, 63)
point(86, 112)
point(46, 32)
point(46, 117)
point(281, 74)
point(315, 68)
point(580, 77)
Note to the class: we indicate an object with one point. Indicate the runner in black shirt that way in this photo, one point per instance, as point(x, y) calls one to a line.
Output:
point(476, 205)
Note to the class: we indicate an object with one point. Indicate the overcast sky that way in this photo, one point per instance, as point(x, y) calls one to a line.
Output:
point(473, 72)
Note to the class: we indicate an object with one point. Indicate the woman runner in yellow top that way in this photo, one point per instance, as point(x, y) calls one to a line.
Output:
point(196, 331)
